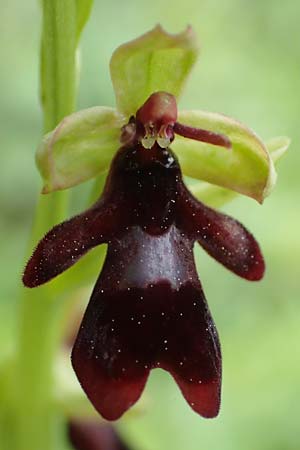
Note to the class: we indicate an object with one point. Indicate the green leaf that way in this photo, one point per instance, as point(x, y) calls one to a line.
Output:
point(79, 148)
point(156, 61)
point(83, 10)
point(217, 196)
point(246, 168)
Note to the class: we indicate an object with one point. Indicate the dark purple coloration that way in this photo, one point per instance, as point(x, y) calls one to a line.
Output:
point(198, 134)
point(126, 334)
point(147, 309)
point(160, 109)
point(92, 435)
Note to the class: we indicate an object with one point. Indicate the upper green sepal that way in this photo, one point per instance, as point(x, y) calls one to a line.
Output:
point(156, 61)
point(83, 144)
point(246, 168)
point(79, 148)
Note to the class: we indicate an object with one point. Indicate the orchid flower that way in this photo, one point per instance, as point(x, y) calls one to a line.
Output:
point(148, 308)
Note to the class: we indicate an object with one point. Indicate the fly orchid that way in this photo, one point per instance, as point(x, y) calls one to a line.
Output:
point(148, 309)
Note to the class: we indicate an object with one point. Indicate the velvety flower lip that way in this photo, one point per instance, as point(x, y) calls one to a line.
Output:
point(148, 308)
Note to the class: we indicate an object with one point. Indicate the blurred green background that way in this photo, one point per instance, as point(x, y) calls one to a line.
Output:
point(249, 69)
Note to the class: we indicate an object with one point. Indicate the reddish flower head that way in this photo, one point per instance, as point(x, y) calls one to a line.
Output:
point(148, 308)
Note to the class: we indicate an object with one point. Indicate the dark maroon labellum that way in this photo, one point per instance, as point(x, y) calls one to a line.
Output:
point(148, 308)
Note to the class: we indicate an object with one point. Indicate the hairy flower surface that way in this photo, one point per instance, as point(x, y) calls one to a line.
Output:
point(148, 308)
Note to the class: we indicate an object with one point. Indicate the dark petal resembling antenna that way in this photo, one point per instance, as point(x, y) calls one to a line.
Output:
point(223, 237)
point(67, 242)
point(198, 134)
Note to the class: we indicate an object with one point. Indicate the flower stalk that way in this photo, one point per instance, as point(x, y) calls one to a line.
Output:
point(41, 313)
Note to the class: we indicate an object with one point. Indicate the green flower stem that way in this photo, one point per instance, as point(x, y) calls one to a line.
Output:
point(42, 311)
point(58, 60)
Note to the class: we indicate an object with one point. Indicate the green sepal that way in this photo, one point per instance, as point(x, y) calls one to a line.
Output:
point(156, 61)
point(216, 196)
point(277, 147)
point(79, 148)
point(245, 168)
point(212, 195)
